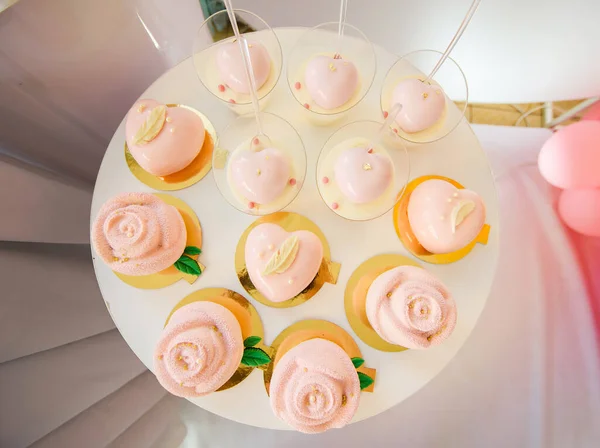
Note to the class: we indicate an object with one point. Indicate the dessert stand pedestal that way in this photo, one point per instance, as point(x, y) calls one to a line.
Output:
point(140, 315)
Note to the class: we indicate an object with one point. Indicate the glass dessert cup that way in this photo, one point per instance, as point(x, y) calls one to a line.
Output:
point(246, 172)
point(426, 100)
point(219, 64)
point(361, 171)
point(342, 61)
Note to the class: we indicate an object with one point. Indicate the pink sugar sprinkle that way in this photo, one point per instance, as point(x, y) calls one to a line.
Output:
point(385, 114)
point(325, 180)
point(251, 204)
point(395, 130)
point(292, 181)
point(297, 86)
point(256, 141)
point(307, 106)
point(370, 151)
point(334, 206)
point(232, 101)
point(221, 88)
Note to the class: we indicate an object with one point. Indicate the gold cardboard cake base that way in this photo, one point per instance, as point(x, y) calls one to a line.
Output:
point(407, 237)
point(311, 329)
point(188, 176)
point(290, 222)
point(171, 274)
point(355, 297)
point(245, 314)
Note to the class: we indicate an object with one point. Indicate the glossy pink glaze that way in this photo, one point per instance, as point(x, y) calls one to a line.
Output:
point(308, 386)
point(199, 350)
point(260, 176)
point(230, 65)
point(419, 313)
point(138, 234)
point(429, 215)
point(362, 176)
point(330, 82)
point(170, 151)
point(262, 242)
point(422, 104)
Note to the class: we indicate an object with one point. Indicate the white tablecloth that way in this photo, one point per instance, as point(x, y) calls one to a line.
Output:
point(529, 376)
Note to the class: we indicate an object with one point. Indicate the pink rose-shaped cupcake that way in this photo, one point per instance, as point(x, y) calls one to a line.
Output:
point(138, 234)
point(408, 306)
point(315, 387)
point(199, 350)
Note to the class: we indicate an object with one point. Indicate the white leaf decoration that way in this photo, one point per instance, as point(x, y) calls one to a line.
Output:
point(460, 211)
point(152, 126)
point(283, 258)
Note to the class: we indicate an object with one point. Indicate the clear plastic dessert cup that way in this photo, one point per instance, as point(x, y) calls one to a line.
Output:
point(254, 178)
point(219, 64)
point(329, 76)
point(428, 110)
point(361, 172)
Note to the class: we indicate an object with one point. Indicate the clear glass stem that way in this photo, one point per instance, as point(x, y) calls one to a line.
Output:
point(456, 38)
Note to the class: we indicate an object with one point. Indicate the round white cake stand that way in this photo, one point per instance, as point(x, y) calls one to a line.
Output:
point(140, 314)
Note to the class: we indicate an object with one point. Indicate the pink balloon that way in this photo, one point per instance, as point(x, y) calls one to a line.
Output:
point(592, 112)
point(580, 210)
point(571, 157)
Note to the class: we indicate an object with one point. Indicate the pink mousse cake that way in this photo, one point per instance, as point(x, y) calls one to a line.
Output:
point(444, 218)
point(422, 104)
point(315, 387)
point(161, 139)
point(282, 264)
point(408, 306)
point(260, 176)
point(230, 65)
point(138, 234)
point(199, 350)
point(363, 175)
point(330, 82)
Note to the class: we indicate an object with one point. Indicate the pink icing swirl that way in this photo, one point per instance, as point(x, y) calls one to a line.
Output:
point(408, 306)
point(315, 387)
point(199, 350)
point(138, 234)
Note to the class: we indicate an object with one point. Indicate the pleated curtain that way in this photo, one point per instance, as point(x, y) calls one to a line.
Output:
point(67, 377)
point(68, 73)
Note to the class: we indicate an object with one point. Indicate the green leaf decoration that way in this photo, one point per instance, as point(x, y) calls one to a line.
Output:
point(357, 362)
point(192, 250)
point(365, 380)
point(251, 341)
point(188, 265)
point(255, 357)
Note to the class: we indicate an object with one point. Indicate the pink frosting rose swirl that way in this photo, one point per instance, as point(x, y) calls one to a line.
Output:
point(315, 387)
point(199, 349)
point(138, 234)
point(408, 306)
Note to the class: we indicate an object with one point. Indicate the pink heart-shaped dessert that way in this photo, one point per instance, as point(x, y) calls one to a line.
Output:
point(362, 176)
point(260, 176)
point(422, 104)
point(230, 65)
point(444, 218)
point(330, 82)
point(175, 146)
point(282, 264)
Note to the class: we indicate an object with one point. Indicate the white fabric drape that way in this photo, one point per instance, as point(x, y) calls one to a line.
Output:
point(68, 73)
point(67, 378)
